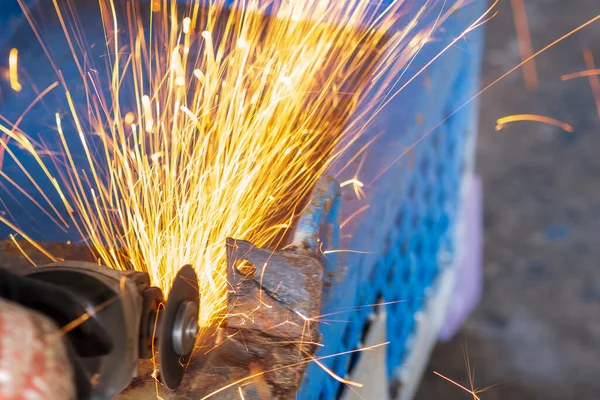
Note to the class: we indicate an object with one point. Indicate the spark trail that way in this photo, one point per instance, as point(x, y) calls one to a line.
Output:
point(216, 123)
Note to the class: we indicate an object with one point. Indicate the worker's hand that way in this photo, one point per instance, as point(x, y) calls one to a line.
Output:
point(33, 364)
point(86, 336)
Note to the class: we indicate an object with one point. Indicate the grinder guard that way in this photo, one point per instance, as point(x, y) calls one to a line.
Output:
point(115, 302)
point(128, 308)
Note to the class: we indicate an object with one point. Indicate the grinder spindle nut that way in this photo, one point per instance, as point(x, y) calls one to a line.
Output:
point(185, 328)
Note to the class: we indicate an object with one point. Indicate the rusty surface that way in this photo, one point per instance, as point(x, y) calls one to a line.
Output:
point(264, 349)
point(276, 272)
point(272, 326)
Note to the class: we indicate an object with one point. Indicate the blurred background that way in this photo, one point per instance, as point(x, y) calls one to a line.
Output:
point(536, 331)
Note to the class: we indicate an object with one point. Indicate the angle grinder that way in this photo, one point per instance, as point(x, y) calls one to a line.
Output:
point(137, 319)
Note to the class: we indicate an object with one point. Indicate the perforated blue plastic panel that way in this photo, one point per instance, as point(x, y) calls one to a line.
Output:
point(407, 231)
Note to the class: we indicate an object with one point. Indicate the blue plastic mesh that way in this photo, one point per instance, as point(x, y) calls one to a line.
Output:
point(408, 228)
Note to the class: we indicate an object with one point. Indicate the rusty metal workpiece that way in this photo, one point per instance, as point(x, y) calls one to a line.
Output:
point(266, 343)
point(271, 331)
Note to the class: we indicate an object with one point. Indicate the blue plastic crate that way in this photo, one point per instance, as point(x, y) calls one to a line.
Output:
point(409, 229)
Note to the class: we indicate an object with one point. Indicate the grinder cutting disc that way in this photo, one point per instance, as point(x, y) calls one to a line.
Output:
point(179, 327)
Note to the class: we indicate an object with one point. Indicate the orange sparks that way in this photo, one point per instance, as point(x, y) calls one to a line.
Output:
point(471, 392)
point(590, 64)
point(582, 74)
point(13, 65)
point(357, 185)
point(156, 6)
point(355, 182)
point(84, 317)
point(484, 89)
point(208, 121)
point(524, 42)
point(335, 376)
point(16, 243)
point(532, 117)
point(149, 122)
point(36, 245)
point(352, 181)
point(186, 25)
point(129, 118)
point(301, 362)
point(354, 214)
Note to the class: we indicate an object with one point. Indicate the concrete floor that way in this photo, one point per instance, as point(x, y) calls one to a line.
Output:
point(536, 332)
